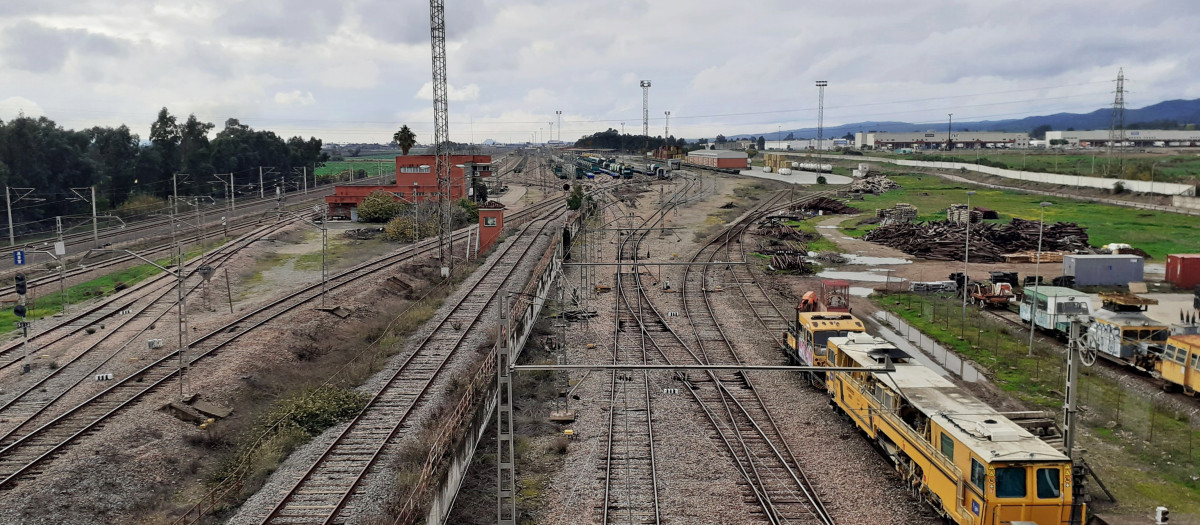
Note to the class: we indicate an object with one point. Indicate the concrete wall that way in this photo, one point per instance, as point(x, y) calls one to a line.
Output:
point(1183, 201)
point(1139, 186)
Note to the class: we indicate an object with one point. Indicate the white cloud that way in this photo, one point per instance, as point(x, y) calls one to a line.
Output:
point(471, 92)
point(725, 71)
point(14, 106)
point(295, 98)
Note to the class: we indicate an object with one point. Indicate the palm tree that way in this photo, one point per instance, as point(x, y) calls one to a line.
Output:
point(405, 138)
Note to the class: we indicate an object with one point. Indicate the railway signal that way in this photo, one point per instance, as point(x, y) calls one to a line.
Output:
point(21, 285)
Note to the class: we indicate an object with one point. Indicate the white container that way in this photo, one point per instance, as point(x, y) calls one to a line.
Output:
point(766, 169)
point(864, 167)
point(785, 171)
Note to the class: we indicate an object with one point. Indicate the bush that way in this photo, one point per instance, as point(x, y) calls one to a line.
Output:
point(404, 228)
point(575, 201)
point(379, 206)
point(318, 408)
point(139, 205)
point(1118, 187)
point(821, 179)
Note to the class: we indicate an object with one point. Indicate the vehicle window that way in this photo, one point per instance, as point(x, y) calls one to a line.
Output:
point(947, 446)
point(1169, 352)
point(820, 339)
point(1196, 361)
point(978, 474)
point(1181, 355)
point(1010, 482)
point(1047, 483)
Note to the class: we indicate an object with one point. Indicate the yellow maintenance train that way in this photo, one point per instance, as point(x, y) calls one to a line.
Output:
point(970, 462)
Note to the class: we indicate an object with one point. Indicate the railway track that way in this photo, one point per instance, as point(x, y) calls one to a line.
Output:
point(47, 433)
point(143, 308)
point(748, 431)
point(123, 304)
point(331, 485)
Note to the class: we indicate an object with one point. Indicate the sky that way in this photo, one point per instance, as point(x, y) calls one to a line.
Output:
point(355, 70)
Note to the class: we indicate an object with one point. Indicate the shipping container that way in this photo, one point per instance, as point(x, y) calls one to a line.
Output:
point(1183, 270)
point(1103, 269)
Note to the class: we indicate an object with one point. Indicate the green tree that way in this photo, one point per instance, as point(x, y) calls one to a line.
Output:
point(405, 139)
point(761, 143)
point(720, 139)
point(379, 206)
point(575, 200)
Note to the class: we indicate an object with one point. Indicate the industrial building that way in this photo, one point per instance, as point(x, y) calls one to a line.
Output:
point(927, 140)
point(719, 158)
point(1133, 137)
point(804, 144)
point(416, 181)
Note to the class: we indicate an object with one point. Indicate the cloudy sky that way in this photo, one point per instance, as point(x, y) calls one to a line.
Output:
point(353, 70)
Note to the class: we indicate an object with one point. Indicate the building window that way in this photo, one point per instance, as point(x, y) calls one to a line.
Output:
point(414, 169)
point(489, 221)
point(947, 446)
point(1010, 482)
point(978, 474)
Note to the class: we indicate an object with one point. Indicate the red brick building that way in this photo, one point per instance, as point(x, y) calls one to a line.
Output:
point(416, 181)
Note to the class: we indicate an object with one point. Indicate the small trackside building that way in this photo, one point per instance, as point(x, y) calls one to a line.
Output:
point(1104, 269)
point(416, 181)
point(715, 158)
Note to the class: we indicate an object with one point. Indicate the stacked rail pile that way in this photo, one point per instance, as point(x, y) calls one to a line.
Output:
point(944, 241)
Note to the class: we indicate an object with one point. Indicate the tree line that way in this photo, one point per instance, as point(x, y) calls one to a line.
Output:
point(38, 153)
point(613, 139)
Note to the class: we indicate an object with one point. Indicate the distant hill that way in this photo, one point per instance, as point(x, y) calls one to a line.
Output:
point(1182, 111)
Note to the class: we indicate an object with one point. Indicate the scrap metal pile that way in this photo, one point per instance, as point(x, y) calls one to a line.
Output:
point(944, 241)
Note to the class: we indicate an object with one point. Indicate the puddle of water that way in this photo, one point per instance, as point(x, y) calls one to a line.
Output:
point(859, 291)
point(869, 276)
point(828, 226)
point(864, 259)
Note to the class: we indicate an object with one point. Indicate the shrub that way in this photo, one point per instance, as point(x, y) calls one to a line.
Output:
point(404, 228)
point(379, 206)
point(822, 180)
point(1118, 187)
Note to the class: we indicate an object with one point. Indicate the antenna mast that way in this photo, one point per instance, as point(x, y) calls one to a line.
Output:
point(441, 131)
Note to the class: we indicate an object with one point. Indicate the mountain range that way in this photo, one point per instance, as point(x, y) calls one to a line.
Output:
point(1182, 111)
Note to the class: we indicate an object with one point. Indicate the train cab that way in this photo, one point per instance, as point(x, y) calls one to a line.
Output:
point(809, 332)
point(971, 463)
point(1180, 362)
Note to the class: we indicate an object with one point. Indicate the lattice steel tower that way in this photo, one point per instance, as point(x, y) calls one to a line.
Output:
point(645, 108)
point(441, 131)
point(821, 112)
point(1116, 132)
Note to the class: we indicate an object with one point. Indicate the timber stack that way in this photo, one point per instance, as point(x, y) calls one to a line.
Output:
point(990, 242)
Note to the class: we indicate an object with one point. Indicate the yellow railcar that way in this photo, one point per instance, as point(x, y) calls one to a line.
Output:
point(1180, 362)
point(808, 334)
point(971, 463)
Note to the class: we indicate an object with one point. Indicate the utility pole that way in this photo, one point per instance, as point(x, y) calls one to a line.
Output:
point(304, 175)
point(22, 193)
point(261, 193)
point(1116, 132)
point(949, 128)
point(79, 196)
point(667, 126)
point(645, 84)
point(441, 129)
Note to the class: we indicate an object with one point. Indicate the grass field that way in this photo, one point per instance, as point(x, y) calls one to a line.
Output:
point(1166, 168)
point(1157, 233)
point(1143, 451)
point(373, 166)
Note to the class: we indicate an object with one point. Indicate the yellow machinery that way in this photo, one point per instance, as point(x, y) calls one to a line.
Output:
point(1180, 363)
point(971, 463)
point(808, 333)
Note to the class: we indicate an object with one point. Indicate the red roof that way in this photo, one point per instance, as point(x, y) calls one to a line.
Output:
point(492, 205)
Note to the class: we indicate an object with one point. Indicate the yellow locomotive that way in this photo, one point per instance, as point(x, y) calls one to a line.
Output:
point(1179, 363)
point(808, 334)
point(971, 463)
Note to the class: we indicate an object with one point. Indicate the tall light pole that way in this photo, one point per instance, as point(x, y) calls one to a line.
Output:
point(1037, 278)
point(667, 126)
point(558, 115)
point(820, 115)
point(949, 127)
point(966, 263)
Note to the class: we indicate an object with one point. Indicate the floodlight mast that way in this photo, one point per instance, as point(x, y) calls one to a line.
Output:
point(441, 131)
